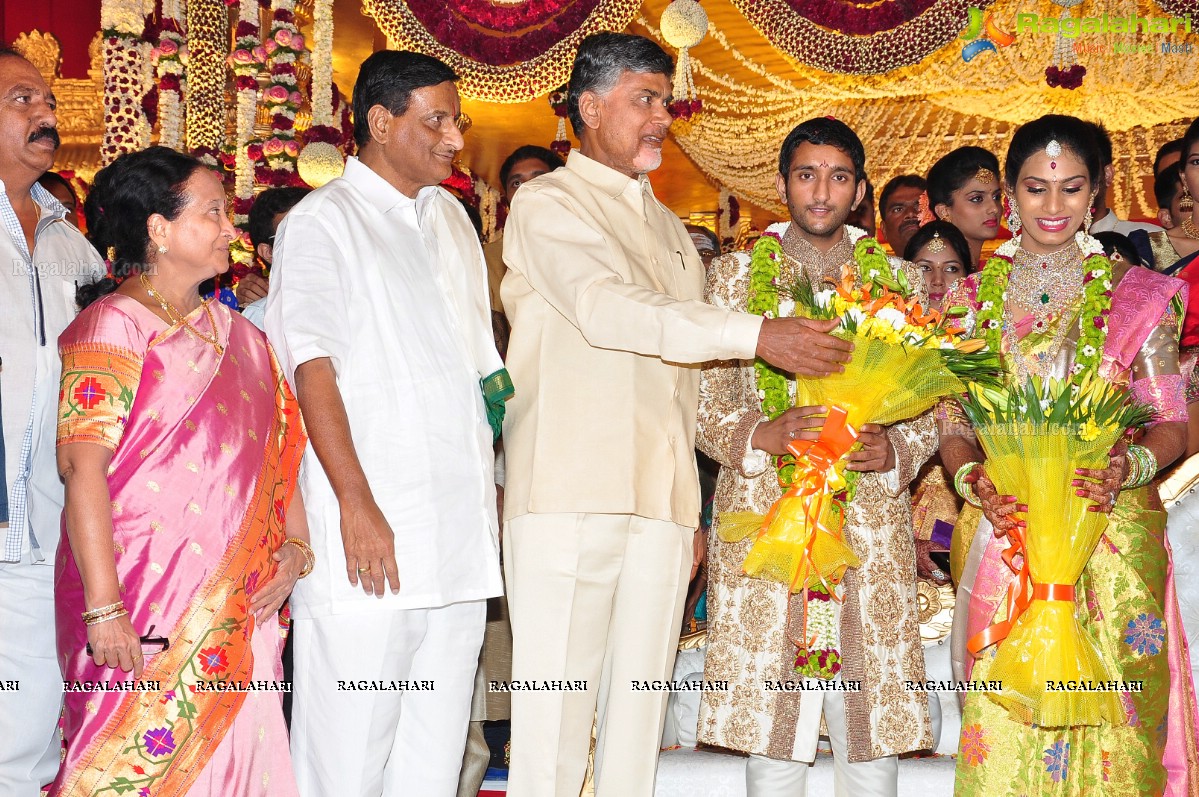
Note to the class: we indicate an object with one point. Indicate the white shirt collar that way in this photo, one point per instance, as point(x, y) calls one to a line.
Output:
point(380, 193)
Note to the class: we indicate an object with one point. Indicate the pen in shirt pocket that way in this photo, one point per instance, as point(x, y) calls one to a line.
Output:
point(681, 260)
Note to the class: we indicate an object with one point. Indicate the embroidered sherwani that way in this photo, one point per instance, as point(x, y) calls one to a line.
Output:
point(751, 623)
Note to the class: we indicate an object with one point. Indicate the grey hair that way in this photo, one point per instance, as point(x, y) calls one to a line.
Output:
point(600, 60)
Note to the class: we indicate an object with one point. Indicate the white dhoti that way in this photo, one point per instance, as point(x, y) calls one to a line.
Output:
point(769, 777)
point(596, 599)
point(30, 679)
point(382, 700)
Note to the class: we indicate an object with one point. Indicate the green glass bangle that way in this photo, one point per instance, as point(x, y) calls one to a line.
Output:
point(964, 488)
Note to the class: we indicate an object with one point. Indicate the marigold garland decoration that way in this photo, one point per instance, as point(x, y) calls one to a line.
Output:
point(208, 46)
point(503, 53)
point(855, 37)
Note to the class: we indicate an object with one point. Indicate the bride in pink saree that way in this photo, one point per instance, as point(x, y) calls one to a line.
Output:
point(179, 441)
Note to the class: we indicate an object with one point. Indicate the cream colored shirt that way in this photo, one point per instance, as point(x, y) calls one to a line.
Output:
point(604, 292)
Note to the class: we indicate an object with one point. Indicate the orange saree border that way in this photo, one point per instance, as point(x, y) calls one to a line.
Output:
point(158, 742)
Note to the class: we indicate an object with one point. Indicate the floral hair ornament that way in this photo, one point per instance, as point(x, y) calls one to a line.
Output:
point(1053, 150)
point(985, 175)
point(935, 244)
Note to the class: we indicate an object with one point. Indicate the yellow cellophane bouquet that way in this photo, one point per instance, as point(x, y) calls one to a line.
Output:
point(1035, 435)
point(905, 359)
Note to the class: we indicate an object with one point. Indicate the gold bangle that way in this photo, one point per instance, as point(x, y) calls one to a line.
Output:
point(104, 618)
point(93, 613)
point(306, 549)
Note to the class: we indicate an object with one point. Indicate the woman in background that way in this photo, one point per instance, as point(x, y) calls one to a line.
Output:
point(964, 190)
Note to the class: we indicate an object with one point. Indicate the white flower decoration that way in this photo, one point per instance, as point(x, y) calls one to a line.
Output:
point(825, 298)
point(893, 317)
point(1008, 247)
point(1089, 244)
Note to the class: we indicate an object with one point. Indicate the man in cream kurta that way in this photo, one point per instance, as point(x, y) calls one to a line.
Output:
point(378, 312)
point(602, 499)
point(770, 711)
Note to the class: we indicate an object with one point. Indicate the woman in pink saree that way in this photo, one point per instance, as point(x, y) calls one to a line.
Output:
point(179, 442)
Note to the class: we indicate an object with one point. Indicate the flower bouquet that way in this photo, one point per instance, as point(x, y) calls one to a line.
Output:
point(905, 359)
point(1035, 436)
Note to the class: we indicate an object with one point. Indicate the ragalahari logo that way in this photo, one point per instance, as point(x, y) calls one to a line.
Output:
point(983, 35)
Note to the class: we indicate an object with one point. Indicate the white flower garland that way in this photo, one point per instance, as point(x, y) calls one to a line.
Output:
point(128, 75)
point(246, 60)
point(170, 58)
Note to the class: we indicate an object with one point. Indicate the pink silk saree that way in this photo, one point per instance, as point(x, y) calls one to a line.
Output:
point(206, 449)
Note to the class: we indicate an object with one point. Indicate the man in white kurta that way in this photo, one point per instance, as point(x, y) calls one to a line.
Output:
point(44, 259)
point(378, 311)
point(604, 294)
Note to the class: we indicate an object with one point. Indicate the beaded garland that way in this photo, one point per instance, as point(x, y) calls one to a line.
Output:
point(1096, 303)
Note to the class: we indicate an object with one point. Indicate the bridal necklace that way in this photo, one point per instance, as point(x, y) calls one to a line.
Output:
point(178, 318)
point(1046, 285)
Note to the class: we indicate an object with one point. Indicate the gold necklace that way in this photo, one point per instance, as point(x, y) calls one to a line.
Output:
point(1046, 284)
point(1189, 229)
point(177, 317)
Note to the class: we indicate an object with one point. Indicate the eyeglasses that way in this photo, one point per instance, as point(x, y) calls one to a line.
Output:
point(150, 644)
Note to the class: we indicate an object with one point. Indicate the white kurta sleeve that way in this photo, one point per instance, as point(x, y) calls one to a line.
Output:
point(306, 309)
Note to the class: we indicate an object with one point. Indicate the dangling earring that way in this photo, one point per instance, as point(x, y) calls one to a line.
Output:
point(1086, 221)
point(1013, 220)
point(1186, 204)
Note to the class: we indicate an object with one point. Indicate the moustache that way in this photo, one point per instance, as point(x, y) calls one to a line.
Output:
point(48, 133)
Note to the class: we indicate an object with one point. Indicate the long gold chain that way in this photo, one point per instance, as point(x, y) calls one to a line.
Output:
point(177, 317)
point(1189, 229)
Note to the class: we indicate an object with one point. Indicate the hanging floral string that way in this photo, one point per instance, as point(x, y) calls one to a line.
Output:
point(684, 25)
point(170, 59)
point(207, 47)
point(321, 158)
point(557, 100)
point(284, 48)
point(127, 77)
point(246, 61)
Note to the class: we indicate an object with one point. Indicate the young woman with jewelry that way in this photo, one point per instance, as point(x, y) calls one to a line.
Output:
point(964, 190)
point(179, 443)
point(1057, 308)
point(941, 255)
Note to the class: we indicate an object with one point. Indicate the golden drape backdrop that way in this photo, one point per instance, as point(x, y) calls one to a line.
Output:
point(754, 92)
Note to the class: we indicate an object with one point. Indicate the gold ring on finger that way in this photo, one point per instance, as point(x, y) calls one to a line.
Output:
point(366, 569)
